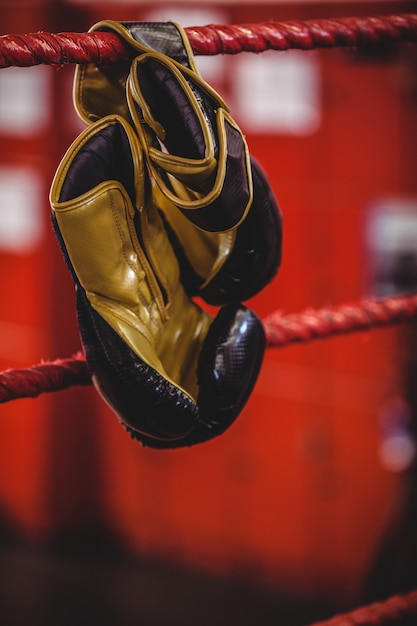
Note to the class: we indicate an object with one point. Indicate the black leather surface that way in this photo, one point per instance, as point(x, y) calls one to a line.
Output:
point(228, 208)
point(163, 37)
point(106, 156)
point(170, 107)
point(257, 252)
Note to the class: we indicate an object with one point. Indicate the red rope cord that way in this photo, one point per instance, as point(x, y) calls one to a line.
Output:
point(42, 378)
point(281, 330)
point(399, 609)
point(100, 47)
point(305, 35)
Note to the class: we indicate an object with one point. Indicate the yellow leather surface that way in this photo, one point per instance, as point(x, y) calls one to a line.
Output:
point(99, 91)
point(207, 252)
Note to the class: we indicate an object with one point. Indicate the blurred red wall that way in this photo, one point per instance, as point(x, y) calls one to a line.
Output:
point(295, 494)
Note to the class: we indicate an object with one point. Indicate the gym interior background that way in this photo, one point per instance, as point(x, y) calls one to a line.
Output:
point(308, 504)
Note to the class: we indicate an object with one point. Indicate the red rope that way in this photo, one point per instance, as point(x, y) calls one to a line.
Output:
point(281, 330)
point(60, 48)
point(399, 609)
point(42, 378)
point(305, 35)
point(100, 47)
point(312, 324)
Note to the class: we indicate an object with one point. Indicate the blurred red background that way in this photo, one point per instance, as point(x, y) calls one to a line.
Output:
point(305, 493)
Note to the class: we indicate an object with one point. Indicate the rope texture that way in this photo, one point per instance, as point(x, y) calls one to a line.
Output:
point(42, 378)
point(281, 330)
point(312, 324)
point(400, 609)
point(304, 35)
point(99, 47)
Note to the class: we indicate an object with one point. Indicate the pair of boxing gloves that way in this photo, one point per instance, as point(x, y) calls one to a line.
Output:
point(159, 201)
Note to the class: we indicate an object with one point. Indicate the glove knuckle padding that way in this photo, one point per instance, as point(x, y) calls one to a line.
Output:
point(173, 374)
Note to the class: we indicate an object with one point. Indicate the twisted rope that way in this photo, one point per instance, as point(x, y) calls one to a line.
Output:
point(304, 35)
point(399, 609)
point(281, 330)
point(101, 47)
point(43, 378)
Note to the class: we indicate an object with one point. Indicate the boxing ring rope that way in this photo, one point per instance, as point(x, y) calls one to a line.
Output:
point(400, 609)
point(101, 47)
point(281, 330)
